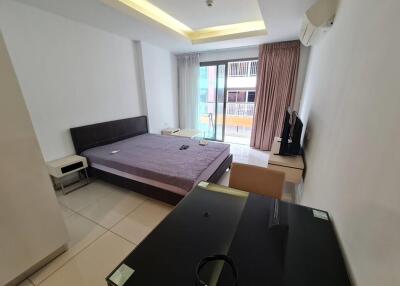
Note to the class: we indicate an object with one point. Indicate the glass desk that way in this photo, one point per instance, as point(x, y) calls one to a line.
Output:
point(217, 220)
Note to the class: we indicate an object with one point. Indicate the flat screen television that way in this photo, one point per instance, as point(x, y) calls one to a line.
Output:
point(291, 134)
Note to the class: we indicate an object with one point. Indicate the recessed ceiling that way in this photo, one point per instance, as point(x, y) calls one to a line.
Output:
point(228, 30)
point(282, 18)
point(197, 15)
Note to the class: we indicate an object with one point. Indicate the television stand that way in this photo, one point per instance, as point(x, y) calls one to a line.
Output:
point(292, 166)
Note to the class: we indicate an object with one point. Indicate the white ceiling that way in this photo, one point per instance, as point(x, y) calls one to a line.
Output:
point(282, 18)
point(197, 15)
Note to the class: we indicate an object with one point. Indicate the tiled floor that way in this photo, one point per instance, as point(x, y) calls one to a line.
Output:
point(105, 223)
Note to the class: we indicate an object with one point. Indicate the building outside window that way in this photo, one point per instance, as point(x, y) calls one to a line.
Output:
point(226, 100)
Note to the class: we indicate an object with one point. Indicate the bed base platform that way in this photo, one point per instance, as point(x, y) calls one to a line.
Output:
point(90, 136)
point(152, 191)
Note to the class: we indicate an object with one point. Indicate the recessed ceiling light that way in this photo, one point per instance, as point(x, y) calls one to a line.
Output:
point(210, 3)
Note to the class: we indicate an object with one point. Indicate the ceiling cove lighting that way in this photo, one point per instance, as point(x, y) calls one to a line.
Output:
point(158, 15)
point(227, 32)
point(224, 32)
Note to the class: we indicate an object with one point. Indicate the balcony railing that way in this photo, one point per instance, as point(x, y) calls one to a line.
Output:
point(238, 120)
point(240, 109)
point(242, 68)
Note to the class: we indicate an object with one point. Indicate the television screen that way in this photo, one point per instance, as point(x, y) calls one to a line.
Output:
point(291, 134)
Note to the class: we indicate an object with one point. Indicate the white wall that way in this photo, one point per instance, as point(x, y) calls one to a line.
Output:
point(352, 100)
point(160, 86)
point(301, 75)
point(32, 227)
point(229, 54)
point(70, 74)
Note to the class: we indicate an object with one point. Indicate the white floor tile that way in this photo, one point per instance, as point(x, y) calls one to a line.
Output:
point(86, 195)
point(25, 283)
point(81, 232)
point(66, 212)
point(111, 208)
point(245, 154)
point(137, 225)
point(91, 266)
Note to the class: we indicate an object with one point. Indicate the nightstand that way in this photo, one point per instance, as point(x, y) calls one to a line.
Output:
point(169, 131)
point(292, 166)
point(62, 168)
point(189, 133)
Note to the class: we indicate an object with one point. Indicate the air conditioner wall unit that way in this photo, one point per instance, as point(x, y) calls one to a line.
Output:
point(317, 20)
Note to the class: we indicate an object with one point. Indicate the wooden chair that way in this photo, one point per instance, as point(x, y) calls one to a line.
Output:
point(256, 179)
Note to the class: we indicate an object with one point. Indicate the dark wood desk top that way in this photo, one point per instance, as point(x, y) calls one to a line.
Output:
point(237, 224)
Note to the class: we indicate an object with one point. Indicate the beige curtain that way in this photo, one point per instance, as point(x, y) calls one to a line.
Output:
point(276, 85)
point(188, 87)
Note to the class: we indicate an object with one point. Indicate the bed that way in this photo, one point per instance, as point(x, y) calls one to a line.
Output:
point(122, 152)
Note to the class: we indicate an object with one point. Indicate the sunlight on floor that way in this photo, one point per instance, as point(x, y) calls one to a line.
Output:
point(237, 140)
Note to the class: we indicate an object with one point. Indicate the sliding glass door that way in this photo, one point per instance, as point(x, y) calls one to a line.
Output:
point(211, 107)
point(226, 100)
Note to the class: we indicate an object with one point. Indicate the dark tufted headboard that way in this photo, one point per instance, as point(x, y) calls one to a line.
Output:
point(89, 136)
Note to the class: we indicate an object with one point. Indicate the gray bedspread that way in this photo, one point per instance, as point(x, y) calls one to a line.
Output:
point(158, 157)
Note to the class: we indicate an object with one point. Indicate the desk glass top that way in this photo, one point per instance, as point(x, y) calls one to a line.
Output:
point(217, 220)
